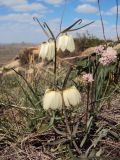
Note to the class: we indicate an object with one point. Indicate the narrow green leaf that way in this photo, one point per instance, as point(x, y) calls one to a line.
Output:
point(89, 123)
point(80, 27)
point(28, 84)
point(46, 25)
point(67, 29)
point(27, 95)
point(36, 19)
point(83, 141)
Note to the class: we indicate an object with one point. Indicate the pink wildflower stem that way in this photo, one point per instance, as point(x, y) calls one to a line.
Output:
point(88, 97)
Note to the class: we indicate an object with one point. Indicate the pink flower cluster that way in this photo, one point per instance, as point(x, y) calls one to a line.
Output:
point(99, 49)
point(88, 77)
point(108, 56)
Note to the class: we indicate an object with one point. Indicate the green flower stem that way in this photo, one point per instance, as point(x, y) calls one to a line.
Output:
point(55, 62)
point(67, 77)
point(66, 119)
point(92, 99)
point(88, 97)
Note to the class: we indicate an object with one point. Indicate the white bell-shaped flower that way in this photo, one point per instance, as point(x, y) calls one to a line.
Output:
point(52, 100)
point(51, 51)
point(43, 50)
point(71, 97)
point(66, 42)
point(47, 50)
point(62, 42)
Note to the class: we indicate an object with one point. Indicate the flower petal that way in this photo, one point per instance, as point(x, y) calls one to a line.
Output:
point(44, 50)
point(62, 42)
point(71, 96)
point(51, 51)
point(52, 100)
point(70, 44)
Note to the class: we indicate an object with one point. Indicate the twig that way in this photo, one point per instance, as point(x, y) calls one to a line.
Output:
point(76, 147)
point(111, 143)
point(63, 15)
point(75, 128)
point(66, 122)
point(102, 22)
point(59, 132)
point(112, 122)
point(117, 20)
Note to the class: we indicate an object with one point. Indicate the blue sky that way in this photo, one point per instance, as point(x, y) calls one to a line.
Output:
point(17, 25)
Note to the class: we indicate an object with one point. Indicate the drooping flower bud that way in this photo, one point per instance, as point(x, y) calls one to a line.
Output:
point(47, 50)
point(52, 100)
point(66, 42)
point(71, 97)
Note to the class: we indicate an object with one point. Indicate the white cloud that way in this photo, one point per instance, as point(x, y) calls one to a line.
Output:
point(111, 11)
point(15, 28)
point(11, 3)
point(17, 32)
point(114, 9)
point(54, 25)
point(90, 1)
point(18, 17)
point(23, 5)
point(29, 31)
point(55, 2)
point(30, 7)
point(86, 8)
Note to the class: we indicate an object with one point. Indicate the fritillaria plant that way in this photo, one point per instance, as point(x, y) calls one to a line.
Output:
point(60, 98)
point(62, 41)
point(48, 50)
